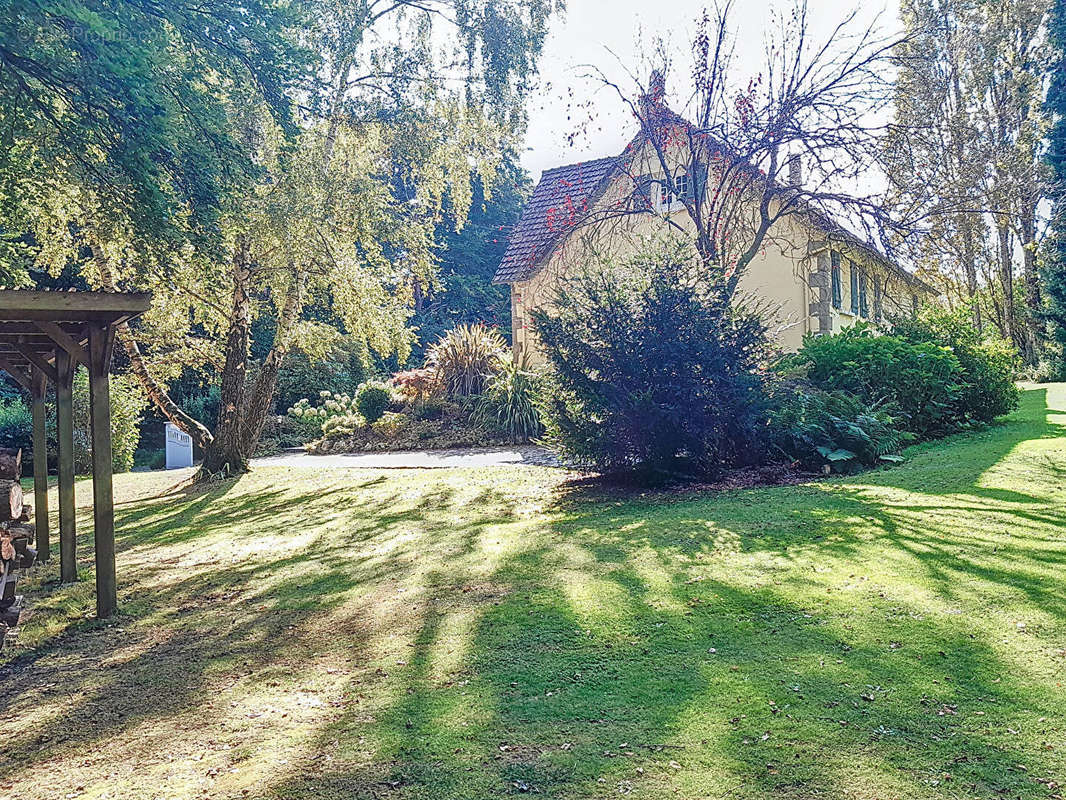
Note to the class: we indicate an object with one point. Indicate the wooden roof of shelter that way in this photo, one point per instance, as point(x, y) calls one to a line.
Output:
point(33, 322)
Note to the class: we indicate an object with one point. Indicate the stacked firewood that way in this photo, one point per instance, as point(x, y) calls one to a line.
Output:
point(16, 539)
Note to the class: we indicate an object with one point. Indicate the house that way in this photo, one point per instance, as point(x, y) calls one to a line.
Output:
point(811, 275)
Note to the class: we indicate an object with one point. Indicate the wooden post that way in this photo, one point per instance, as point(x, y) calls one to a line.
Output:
point(101, 339)
point(68, 560)
point(40, 464)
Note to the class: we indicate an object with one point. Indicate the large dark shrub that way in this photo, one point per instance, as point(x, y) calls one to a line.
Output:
point(204, 407)
point(16, 423)
point(919, 381)
point(986, 386)
point(652, 370)
point(128, 404)
point(340, 370)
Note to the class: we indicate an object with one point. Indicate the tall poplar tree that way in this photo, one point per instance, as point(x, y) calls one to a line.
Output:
point(965, 153)
point(1054, 272)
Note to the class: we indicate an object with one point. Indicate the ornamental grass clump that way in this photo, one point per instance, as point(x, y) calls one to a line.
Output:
point(510, 402)
point(466, 358)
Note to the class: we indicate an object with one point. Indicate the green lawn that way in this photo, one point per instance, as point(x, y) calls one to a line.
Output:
point(478, 634)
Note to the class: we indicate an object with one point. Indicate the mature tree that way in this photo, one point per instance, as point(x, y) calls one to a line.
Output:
point(1011, 77)
point(935, 154)
point(417, 100)
point(965, 152)
point(742, 143)
point(1055, 266)
point(116, 110)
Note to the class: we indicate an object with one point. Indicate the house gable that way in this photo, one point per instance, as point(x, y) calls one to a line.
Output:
point(561, 199)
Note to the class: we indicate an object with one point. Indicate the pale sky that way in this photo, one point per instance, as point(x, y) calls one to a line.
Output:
point(592, 30)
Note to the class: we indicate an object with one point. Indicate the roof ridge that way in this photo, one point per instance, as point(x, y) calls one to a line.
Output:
point(581, 163)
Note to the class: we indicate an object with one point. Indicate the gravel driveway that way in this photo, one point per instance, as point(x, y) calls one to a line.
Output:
point(418, 459)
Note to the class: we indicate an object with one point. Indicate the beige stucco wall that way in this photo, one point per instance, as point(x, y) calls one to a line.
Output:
point(779, 280)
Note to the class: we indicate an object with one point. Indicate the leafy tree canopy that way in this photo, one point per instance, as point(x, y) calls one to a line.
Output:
point(258, 167)
point(117, 110)
point(1055, 267)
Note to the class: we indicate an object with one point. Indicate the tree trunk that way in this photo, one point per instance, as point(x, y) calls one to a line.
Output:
point(201, 436)
point(1033, 299)
point(226, 454)
point(257, 405)
point(969, 265)
point(1006, 280)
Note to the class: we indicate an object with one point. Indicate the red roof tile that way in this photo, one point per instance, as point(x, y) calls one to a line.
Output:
point(563, 197)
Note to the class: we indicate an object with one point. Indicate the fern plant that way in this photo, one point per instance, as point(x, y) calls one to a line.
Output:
point(818, 428)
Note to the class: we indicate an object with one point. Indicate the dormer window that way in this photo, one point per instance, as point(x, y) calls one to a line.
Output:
point(672, 191)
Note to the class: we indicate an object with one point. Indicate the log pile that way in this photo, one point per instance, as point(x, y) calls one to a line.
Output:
point(16, 539)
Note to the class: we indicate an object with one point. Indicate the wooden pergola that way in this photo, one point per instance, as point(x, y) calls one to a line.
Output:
point(43, 338)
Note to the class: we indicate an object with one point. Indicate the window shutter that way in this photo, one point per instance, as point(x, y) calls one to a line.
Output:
point(853, 272)
point(834, 259)
point(698, 184)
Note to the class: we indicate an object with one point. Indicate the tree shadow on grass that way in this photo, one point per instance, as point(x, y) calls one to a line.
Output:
point(743, 691)
point(615, 652)
point(98, 680)
point(662, 679)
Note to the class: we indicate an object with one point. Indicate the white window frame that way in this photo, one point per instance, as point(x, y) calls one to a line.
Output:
point(668, 197)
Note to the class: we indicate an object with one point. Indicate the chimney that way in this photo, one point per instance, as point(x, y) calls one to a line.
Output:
point(795, 172)
point(656, 92)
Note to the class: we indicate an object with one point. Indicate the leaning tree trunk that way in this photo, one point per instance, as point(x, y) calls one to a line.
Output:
point(155, 391)
point(225, 453)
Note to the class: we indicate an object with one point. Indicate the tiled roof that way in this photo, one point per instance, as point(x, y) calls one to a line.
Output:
point(561, 200)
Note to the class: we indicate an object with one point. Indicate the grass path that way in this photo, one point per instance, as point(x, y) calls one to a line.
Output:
point(486, 633)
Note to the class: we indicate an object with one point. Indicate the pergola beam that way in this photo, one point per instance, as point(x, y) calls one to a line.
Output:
point(21, 375)
point(64, 340)
point(20, 305)
point(38, 361)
